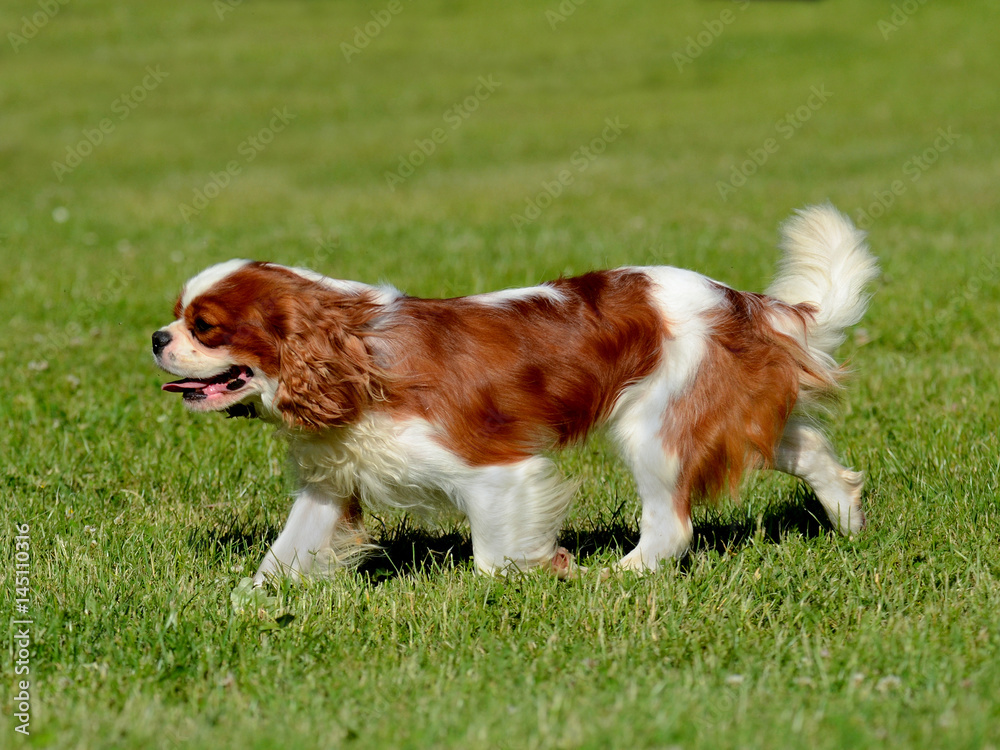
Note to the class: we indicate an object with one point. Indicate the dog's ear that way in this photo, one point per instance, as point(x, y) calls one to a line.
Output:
point(326, 375)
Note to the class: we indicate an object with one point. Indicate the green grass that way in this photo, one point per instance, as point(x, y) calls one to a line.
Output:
point(144, 518)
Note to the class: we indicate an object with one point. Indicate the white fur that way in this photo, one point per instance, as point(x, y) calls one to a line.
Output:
point(383, 462)
point(804, 452)
point(384, 294)
point(313, 540)
point(826, 263)
point(502, 297)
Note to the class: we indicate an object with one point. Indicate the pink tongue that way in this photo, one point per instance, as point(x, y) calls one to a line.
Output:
point(180, 386)
point(211, 386)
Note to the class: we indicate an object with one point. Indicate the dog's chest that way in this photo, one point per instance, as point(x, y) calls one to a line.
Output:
point(380, 462)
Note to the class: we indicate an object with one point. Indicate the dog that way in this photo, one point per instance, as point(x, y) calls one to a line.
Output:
point(394, 401)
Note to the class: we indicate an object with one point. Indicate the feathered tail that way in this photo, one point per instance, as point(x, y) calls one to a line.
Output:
point(827, 265)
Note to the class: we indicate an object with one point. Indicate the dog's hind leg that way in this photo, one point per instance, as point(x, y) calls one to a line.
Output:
point(805, 453)
point(665, 528)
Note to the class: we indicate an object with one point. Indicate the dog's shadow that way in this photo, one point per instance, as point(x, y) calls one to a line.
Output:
point(796, 516)
point(405, 549)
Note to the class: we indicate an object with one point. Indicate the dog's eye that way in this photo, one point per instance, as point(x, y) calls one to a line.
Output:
point(202, 326)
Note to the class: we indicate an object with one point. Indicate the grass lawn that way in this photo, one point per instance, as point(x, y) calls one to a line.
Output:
point(452, 147)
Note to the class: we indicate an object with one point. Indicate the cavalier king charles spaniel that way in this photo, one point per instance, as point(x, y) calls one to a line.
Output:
point(394, 401)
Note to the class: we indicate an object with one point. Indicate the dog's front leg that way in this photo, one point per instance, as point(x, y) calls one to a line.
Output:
point(322, 533)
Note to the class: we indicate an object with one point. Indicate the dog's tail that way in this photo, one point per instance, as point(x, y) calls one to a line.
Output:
point(826, 265)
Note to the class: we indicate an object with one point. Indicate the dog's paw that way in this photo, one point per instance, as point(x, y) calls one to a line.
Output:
point(563, 564)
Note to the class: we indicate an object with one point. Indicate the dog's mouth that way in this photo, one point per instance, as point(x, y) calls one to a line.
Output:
point(218, 392)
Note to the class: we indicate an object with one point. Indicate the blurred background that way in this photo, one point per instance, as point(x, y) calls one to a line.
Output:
point(391, 154)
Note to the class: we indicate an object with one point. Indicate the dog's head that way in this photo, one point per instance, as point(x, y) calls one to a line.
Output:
point(259, 339)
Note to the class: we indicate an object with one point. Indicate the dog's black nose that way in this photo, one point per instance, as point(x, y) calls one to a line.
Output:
point(160, 341)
